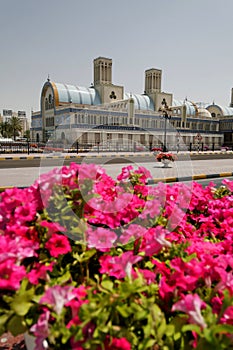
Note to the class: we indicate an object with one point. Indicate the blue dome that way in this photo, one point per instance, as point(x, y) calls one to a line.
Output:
point(141, 102)
point(226, 111)
point(190, 107)
point(77, 94)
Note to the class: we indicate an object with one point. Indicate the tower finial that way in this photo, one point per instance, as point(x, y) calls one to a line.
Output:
point(48, 78)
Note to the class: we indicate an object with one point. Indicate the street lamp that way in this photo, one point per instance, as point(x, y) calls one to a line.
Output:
point(165, 109)
point(178, 142)
point(198, 138)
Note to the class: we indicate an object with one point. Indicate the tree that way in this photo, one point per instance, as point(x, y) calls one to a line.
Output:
point(5, 129)
point(27, 134)
point(15, 126)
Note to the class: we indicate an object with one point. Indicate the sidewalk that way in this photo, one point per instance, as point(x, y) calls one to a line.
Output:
point(5, 156)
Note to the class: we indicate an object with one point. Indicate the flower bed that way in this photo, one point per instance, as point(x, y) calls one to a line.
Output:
point(87, 262)
point(164, 155)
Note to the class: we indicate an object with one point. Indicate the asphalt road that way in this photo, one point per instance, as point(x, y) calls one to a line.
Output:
point(100, 159)
point(22, 173)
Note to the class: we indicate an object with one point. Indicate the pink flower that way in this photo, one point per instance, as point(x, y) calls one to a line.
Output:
point(216, 305)
point(133, 232)
point(101, 238)
point(58, 245)
point(106, 188)
point(154, 240)
point(144, 174)
point(16, 248)
point(52, 227)
point(119, 266)
point(90, 172)
point(191, 305)
point(228, 316)
point(11, 275)
point(125, 173)
point(39, 272)
point(226, 281)
point(228, 184)
point(57, 296)
point(41, 329)
point(117, 344)
point(151, 209)
point(25, 213)
point(148, 275)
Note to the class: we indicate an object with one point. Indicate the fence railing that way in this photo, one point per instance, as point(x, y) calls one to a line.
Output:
point(111, 146)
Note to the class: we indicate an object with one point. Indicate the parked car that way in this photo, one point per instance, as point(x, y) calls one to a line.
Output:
point(225, 148)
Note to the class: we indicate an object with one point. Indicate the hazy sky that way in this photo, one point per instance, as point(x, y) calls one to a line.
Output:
point(190, 40)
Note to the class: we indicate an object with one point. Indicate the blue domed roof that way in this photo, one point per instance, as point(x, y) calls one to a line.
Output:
point(141, 102)
point(190, 107)
point(66, 93)
point(226, 111)
point(77, 94)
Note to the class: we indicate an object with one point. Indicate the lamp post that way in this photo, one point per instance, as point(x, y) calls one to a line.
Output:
point(178, 142)
point(28, 145)
point(165, 109)
point(198, 138)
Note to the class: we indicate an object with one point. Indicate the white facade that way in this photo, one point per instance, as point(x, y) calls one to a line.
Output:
point(105, 113)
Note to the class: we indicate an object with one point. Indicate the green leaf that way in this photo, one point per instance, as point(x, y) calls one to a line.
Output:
point(149, 265)
point(63, 278)
point(22, 302)
point(3, 321)
point(161, 329)
point(147, 344)
point(108, 285)
point(85, 256)
point(178, 322)
point(15, 325)
point(223, 328)
point(191, 327)
point(189, 257)
point(170, 330)
point(124, 310)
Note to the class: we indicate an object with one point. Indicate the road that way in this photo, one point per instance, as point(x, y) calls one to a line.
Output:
point(23, 173)
point(13, 161)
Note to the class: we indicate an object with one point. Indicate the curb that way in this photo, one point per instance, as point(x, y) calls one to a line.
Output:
point(188, 178)
point(113, 155)
point(166, 180)
point(76, 156)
